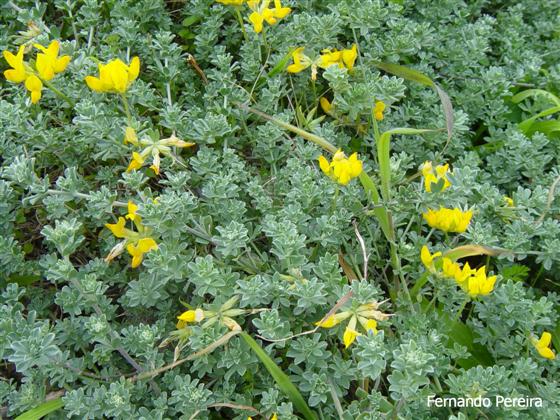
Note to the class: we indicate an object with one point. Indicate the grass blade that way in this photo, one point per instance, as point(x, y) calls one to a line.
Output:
point(41, 410)
point(281, 378)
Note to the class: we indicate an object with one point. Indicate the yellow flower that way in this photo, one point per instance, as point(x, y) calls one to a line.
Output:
point(438, 178)
point(542, 345)
point(326, 106)
point(341, 169)
point(330, 57)
point(367, 314)
point(48, 62)
point(479, 284)
point(349, 57)
point(132, 208)
point(368, 324)
point(47, 65)
point(450, 268)
point(136, 162)
point(509, 201)
point(138, 250)
point(378, 110)
point(130, 136)
point(137, 243)
point(118, 228)
point(301, 61)
point(349, 336)
point(428, 259)
point(17, 73)
point(262, 13)
point(333, 320)
point(345, 58)
point(115, 76)
point(350, 332)
point(34, 85)
point(461, 276)
point(20, 73)
point(448, 220)
point(155, 147)
point(196, 315)
point(231, 2)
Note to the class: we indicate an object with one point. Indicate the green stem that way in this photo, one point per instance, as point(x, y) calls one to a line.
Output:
point(240, 20)
point(58, 93)
point(126, 109)
point(460, 311)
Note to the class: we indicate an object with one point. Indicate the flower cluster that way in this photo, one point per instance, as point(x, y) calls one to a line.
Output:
point(341, 169)
point(47, 65)
point(343, 59)
point(152, 147)
point(474, 282)
point(435, 180)
point(115, 76)
point(448, 220)
point(367, 315)
point(261, 11)
point(137, 243)
point(223, 315)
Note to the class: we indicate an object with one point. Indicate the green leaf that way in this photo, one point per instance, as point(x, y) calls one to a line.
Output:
point(281, 378)
point(546, 127)
point(526, 125)
point(405, 73)
point(42, 410)
point(472, 250)
point(462, 334)
point(534, 93)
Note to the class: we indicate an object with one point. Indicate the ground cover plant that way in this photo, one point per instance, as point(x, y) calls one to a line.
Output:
point(333, 209)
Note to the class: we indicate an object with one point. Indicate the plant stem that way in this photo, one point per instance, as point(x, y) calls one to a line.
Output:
point(58, 93)
point(240, 20)
point(460, 311)
point(126, 109)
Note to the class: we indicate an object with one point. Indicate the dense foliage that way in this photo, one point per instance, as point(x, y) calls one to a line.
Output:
point(233, 224)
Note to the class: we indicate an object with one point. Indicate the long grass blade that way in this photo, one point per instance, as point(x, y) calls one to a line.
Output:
point(281, 378)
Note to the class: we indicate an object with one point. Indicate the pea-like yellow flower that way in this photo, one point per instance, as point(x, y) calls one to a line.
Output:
point(367, 315)
point(153, 147)
point(543, 345)
point(17, 73)
point(428, 259)
point(349, 57)
point(326, 106)
point(435, 179)
point(262, 13)
point(350, 334)
point(450, 268)
point(448, 220)
point(479, 284)
point(47, 65)
point(48, 62)
point(34, 85)
point(132, 209)
point(137, 243)
point(115, 76)
point(136, 162)
point(196, 315)
point(138, 250)
point(301, 62)
point(130, 136)
point(341, 169)
point(378, 110)
point(509, 201)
